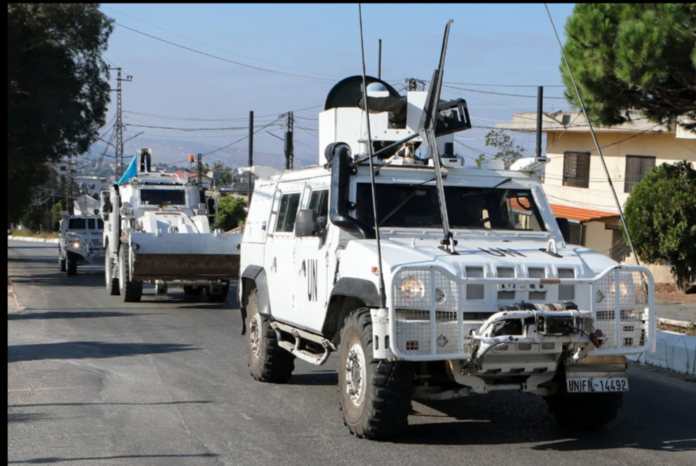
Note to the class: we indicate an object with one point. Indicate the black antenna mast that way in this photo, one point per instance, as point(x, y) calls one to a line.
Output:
point(427, 131)
point(382, 299)
point(594, 138)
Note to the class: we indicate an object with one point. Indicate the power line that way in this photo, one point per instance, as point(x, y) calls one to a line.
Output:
point(502, 93)
point(221, 58)
point(170, 117)
point(215, 46)
point(241, 139)
point(504, 85)
point(236, 128)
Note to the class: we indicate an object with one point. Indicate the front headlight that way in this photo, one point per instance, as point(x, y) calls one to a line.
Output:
point(412, 288)
point(76, 244)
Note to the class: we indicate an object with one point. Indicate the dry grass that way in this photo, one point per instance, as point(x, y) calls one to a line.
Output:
point(673, 328)
point(29, 234)
point(669, 294)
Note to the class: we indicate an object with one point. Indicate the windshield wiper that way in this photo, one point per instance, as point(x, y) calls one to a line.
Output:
point(403, 203)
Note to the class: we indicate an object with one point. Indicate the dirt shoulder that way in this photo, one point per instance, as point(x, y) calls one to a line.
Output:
point(13, 304)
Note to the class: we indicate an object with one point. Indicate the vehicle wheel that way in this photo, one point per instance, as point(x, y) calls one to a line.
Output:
point(267, 361)
point(375, 394)
point(62, 263)
point(217, 296)
point(71, 265)
point(190, 290)
point(131, 290)
point(112, 283)
point(583, 410)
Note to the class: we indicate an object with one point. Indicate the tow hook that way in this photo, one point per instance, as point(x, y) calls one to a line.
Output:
point(597, 338)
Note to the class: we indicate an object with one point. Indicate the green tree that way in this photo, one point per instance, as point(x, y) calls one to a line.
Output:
point(508, 151)
point(231, 213)
point(34, 217)
point(57, 87)
point(226, 173)
point(633, 55)
point(661, 216)
point(57, 208)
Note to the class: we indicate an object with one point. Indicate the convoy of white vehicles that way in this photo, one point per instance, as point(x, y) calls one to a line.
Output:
point(429, 278)
point(157, 230)
point(79, 242)
point(502, 302)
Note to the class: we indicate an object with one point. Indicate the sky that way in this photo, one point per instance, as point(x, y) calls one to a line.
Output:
point(310, 47)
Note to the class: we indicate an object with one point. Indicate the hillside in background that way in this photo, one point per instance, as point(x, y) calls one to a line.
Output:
point(173, 152)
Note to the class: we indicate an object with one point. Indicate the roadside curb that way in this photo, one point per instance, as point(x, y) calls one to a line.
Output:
point(31, 240)
point(674, 351)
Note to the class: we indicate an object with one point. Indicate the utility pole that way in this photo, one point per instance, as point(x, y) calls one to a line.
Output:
point(200, 170)
point(413, 84)
point(68, 187)
point(289, 144)
point(379, 63)
point(119, 122)
point(251, 149)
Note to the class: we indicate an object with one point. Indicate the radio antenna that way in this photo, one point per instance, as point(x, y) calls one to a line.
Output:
point(594, 138)
point(382, 299)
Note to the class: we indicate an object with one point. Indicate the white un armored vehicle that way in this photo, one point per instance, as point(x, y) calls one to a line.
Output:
point(501, 301)
point(79, 241)
point(157, 230)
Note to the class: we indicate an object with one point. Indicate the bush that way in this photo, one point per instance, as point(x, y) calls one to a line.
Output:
point(231, 213)
point(661, 216)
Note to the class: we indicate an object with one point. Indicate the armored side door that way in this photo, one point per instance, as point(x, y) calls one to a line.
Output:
point(312, 259)
point(280, 246)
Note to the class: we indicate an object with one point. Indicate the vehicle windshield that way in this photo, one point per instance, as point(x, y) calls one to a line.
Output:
point(77, 224)
point(86, 224)
point(162, 197)
point(95, 224)
point(416, 206)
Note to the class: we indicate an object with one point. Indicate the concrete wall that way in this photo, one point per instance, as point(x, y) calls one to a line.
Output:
point(597, 237)
point(661, 273)
point(664, 146)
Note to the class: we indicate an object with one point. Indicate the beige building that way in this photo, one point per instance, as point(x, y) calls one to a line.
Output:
point(575, 181)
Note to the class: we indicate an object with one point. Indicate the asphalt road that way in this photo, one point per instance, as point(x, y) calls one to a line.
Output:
point(92, 380)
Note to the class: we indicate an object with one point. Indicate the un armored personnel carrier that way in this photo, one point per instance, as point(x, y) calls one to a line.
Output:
point(430, 278)
point(157, 230)
point(79, 241)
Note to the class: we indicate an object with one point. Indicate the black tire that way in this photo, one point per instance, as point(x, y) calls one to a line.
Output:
point(384, 397)
point(131, 290)
point(190, 290)
point(220, 297)
point(111, 280)
point(587, 411)
point(267, 361)
point(71, 266)
point(62, 263)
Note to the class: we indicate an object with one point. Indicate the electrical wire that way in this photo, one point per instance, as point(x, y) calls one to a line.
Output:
point(241, 139)
point(224, 59)
point(215, 46)
point(502, 93)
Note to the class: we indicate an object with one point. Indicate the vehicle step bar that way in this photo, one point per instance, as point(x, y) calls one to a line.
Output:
point(294, 348)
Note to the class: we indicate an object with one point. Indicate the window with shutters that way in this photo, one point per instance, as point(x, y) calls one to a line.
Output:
point(576, 169)
point(637, 166)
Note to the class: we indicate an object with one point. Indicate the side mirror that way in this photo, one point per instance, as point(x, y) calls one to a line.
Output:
point(56, 226)
point(307, 223)
point(564, 226)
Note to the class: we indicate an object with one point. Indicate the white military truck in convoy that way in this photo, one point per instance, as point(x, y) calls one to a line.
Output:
point(79, 241)
point(502, 302)
point(157, 230)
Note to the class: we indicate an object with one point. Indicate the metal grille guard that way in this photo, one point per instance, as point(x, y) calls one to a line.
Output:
point(636, 292)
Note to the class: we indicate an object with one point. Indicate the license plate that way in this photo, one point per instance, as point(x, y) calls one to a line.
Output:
point(599, 384)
